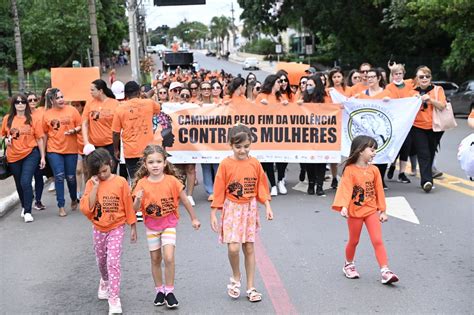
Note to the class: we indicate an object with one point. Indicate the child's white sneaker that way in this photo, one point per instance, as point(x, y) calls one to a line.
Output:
point(102, 292)
point(114, 306)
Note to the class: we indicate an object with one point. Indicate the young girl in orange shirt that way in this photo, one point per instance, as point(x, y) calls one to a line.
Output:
point(107, 203)
point(156, 193)
point(360, 198)
point(240, 183)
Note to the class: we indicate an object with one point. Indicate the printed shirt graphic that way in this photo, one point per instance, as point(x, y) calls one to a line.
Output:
point(100, 116)
point(240, 181)
point(57, 121)
point(23, 137)
point(360, 191)
point(134, 117)
point(113, 206)
point(160, 202)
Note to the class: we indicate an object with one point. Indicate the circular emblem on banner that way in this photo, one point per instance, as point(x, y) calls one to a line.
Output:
point(373, 123)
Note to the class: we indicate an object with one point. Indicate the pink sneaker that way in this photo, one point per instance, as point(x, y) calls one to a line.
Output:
point(102, 292)
point(388, 277)
point(350, 271)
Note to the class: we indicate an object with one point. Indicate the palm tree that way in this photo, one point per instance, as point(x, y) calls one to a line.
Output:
point(220, 27)
point(18, 48)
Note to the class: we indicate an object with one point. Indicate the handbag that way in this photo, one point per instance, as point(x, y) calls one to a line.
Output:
point(4, 169)
point(443, 119)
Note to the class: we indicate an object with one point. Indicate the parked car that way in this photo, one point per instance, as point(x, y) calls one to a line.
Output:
point(151, 49)
point(463, 99)
point(210, 53)
point(448, 87)
point(250, 64)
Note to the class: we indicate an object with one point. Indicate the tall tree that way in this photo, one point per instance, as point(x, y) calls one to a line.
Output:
point(18, 47)
point(220, 27)
point(94, 35)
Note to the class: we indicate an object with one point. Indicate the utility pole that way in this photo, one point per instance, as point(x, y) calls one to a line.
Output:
point(94, 35)
point(18, 47)
point(133, 44)
point(234, 42)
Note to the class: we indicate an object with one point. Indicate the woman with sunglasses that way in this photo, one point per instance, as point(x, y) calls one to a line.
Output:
point(301, 88)
point(285, 87)
point(37, 114)
point(97, 118)
point(250, 81)
point(353, 78)
point(162, 95)
point(174, 91)
point(255, 90)
point(425, 139)
point(23, 136)
point(271, 95)
point(217, 92)
point(315, 92)
point(205, 95)
point(61, 124)
point(194, 88)
point(363, 84)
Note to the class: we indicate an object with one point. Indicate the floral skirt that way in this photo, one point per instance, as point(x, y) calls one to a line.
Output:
point(240, 222)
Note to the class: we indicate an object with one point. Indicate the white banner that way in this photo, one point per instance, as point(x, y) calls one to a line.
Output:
point(388, 122)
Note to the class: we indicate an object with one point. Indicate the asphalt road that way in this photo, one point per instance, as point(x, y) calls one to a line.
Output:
point(49, 267)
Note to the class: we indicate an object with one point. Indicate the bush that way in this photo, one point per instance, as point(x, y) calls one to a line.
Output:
point(262, 46)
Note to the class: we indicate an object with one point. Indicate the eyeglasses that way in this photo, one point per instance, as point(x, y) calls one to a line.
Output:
point(176, 90)
point(163, 92)
point(193, 88)
point(424, 76)
point(20, 102)
point(31, 100)
point(205, 89)
point(303, 82)
point(364, 71)
point(258, 88)
point(278, 81)
point(216, 87)
point(283, 80)
point(371, 77)
point(185, 95)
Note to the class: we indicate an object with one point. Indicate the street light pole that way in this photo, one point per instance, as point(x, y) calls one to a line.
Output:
point(133, 45)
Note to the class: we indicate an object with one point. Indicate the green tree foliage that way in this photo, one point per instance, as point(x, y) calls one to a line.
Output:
point(414, 32)
point(7, 43)
point(220, 28)
point(56, 32)
point(189, 32)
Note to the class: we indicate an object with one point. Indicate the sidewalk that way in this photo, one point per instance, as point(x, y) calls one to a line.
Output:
point(8, 196)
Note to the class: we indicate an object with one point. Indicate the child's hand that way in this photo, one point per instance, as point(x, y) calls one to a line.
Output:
point(139, 194)
point(196, 224)
point(264, 101)
point(383, 217)
point(269, 213)
point(284, 102)
point(214, 224)
point(133, 236)
point(95, 180)
point(344, 212)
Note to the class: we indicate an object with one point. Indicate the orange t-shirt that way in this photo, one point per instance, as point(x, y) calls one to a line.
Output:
point(345, 92)
point(382, 94)
point(240, 181)
point(57, 121)
point(401, 92)
point(100, 116)
point(23, 137)
point(271, 98)
point(356, 89)
point(360, 191)
point(38, 113)
point(424, 118)
point(134, 117)
point(160, 199)
point(113, 206)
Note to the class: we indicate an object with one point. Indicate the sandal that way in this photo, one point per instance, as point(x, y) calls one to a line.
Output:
point(253, 295)
point(233, 288)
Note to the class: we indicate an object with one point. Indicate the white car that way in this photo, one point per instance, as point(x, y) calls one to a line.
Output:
point(250, 64)
point(151, 49)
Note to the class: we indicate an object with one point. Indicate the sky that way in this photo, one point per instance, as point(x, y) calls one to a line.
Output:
point(172, 15)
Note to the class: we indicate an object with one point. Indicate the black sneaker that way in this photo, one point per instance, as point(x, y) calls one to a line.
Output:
point(160, 299)
point(427, 187)
point(334, 183)
point(311, 189)
point(302, 175)
point(319, 191)
point(171, 301)
point(437, 174)
point(385, 187)
point(391, 170)
point(402, 178)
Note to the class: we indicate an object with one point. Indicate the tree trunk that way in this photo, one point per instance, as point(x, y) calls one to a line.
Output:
point(94, 35)
point(18, 48)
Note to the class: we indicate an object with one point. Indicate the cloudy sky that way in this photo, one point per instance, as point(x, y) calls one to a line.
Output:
point(172, 15)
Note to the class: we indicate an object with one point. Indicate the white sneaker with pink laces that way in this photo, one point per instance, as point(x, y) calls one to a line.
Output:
point(388, 276)
point(350, 271)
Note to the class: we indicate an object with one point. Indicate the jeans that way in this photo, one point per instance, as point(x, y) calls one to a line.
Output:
point(39, 184)
point(132, 167)
point(22, 172)
point(209, 172)
point(316, 173)
point(64, 167)
point(268, 168)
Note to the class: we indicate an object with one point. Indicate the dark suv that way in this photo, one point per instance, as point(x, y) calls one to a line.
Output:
point(463, 99)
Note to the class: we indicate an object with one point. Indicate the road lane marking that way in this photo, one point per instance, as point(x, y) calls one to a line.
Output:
point(398, 207)
point(275, 288)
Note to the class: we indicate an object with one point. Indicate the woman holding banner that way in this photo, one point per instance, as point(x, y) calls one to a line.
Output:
point(97, 118)
point(236, 90)
point(61, 123)
point(271, 95)
point(285, 87)
point(217, 91)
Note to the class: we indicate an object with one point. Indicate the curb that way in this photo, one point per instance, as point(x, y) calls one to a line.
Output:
point(8, 203)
